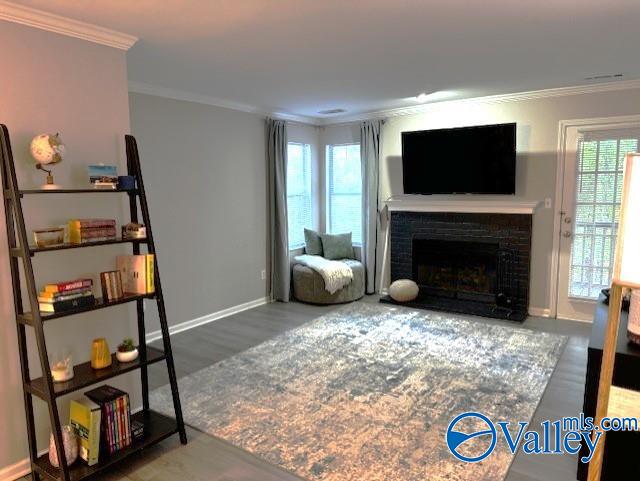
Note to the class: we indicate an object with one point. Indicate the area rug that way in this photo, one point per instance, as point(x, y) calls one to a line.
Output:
point(367, 392)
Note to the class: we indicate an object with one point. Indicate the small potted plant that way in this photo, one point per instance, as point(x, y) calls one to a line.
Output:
point(127, 351)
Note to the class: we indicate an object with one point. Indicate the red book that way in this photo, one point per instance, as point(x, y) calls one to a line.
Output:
point(89, 223)
point(68, 285)
point(125, 441)
point(123, 438)
point(92, 232)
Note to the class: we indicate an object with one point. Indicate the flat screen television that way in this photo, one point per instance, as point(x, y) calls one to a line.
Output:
point(466, 160)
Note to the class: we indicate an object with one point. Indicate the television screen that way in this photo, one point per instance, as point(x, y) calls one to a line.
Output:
point(469, 160)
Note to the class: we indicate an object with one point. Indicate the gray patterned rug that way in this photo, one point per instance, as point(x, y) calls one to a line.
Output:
point(367, 392)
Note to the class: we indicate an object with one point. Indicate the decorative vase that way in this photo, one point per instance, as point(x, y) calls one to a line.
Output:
point(100, 354)
point(69, 443)
point(633, 327)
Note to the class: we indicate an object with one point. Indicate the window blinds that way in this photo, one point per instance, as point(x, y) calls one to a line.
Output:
point(344, 190)
point(599, 172)
point(299, 200)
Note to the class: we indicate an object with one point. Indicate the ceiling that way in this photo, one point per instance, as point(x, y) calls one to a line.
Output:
point(305, 56)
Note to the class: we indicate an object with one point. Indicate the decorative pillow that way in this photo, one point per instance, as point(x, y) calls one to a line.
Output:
point(337, 246)
point(312, 243)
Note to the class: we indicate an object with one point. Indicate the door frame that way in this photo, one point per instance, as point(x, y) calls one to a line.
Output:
point(596, 123)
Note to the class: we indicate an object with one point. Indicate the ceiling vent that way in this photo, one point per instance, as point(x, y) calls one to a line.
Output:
point(332, 111)
point(612, 76)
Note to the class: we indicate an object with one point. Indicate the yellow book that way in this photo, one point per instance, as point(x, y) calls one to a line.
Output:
point(150, 274)
point(84, 416)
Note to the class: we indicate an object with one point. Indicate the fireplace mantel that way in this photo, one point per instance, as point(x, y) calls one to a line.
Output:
point(471, 204)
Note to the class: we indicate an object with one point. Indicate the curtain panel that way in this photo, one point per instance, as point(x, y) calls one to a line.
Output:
point(370, 131)
point(277, 161)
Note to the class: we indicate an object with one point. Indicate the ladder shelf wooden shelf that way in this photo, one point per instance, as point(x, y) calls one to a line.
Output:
point(157, 427)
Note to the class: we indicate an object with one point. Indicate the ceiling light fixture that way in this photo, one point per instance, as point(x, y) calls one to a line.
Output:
point(436, 96)
point(607, 76)
point(332, 111)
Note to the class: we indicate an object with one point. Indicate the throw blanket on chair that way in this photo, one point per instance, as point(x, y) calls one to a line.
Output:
point(335, 274)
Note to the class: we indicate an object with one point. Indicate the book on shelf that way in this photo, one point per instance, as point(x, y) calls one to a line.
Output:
point(85, 417)
point(105, 185)
point(68, 305)
point(65, 286)
point(66, 296)
point(91, 230)
point(93, 235)
point(91, 223)
point(137, 273)
point(115, 427)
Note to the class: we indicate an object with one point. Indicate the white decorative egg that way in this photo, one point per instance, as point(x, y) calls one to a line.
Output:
point(403, 290)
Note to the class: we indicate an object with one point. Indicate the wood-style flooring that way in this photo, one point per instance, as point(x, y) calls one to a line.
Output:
point(208, 459)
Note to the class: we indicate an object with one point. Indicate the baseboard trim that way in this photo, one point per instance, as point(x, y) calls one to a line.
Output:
point(539, 311)
point(19, 469)
point(15, 471)
point(214, 316)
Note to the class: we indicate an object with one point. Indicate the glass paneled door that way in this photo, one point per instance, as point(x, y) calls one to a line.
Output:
point(591, 207)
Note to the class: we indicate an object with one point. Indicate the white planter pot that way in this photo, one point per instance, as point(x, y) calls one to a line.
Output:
point(127, 356)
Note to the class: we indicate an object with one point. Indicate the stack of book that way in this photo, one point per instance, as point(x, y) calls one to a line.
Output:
point(115, 426)
point(65, 296)
point(91, 230)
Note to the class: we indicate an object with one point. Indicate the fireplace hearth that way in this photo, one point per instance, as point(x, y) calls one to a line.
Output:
point(464, 262)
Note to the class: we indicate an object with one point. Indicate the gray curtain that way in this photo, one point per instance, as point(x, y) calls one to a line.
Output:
point(277, 160)
point(370, 154)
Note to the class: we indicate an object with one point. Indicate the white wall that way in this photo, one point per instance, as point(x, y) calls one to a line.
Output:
point(537, 143)
point(52, 83)
point(206, 178)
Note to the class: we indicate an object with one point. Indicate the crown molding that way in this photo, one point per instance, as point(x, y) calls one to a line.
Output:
point(145, 88)
point(176, 94)
point(32, 17)
point(490, 99)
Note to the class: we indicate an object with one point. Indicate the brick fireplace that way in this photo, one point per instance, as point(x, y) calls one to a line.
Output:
point(466, 262)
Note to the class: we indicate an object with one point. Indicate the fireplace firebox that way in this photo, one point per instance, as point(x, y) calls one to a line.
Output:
point(464, 262)
point(465, 270)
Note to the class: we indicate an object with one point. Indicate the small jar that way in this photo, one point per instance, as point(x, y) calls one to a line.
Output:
point(69, 443)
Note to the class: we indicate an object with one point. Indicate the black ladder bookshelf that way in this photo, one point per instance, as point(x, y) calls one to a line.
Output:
point(157, 426)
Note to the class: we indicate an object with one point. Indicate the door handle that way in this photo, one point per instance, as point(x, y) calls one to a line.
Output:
point(567, 220)
point(566, 233)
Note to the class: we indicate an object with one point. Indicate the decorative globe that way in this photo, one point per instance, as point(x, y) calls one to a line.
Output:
point(47, 148)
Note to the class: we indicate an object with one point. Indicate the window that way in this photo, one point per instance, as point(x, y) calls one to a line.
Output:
point(299, 203)
point(344, 190)
point(598, 195)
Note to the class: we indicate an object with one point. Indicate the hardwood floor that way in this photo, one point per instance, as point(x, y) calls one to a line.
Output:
point(208, 459)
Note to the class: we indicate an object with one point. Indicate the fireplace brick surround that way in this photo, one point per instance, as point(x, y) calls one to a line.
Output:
point(468, 262)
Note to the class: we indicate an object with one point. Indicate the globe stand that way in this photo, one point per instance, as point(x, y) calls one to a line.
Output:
point(49, 185)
